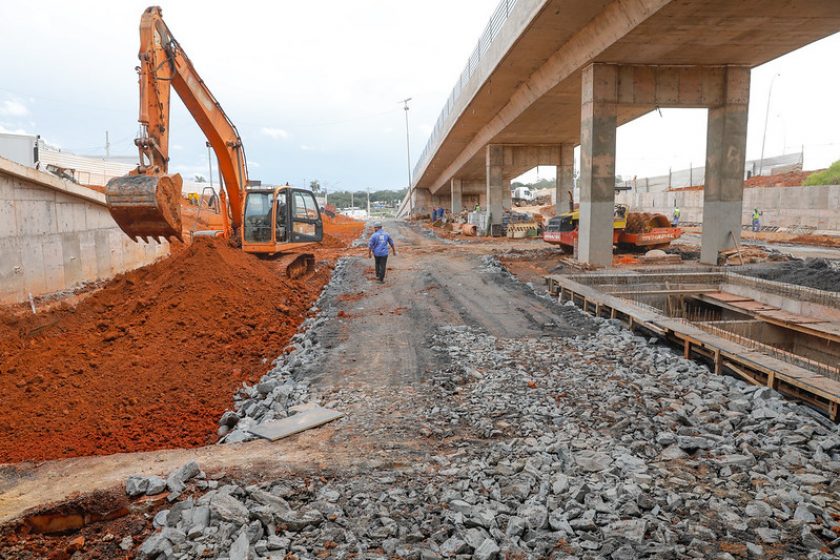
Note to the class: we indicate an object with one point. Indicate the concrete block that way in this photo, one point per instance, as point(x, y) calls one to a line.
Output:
point(8, 219)
point(11, 271)
point(87, 255)
point(53, 263)
point(116, 239)
point(26, 191)
point(103, 254)
point(32, 263)
point(71, 253)
point(36, 217)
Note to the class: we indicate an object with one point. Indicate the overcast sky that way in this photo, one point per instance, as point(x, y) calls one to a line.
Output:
point(314, 86)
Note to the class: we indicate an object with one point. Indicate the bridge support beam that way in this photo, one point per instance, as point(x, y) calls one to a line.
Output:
point(457, 196)
point(421, 202)
point(565, 181)
point(724, 90)
point(726, 146)
point(598, 123)
point(495, 182)
point(507, 196)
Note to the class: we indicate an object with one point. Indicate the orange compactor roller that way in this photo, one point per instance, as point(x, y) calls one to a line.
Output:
point(147, 202)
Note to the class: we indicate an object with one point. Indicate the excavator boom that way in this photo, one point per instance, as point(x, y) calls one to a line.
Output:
point(146, 203)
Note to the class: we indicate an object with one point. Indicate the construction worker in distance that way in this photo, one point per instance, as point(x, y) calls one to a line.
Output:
point(676, 220)
point(477, 207)
point(378, 248)
point(756, 220)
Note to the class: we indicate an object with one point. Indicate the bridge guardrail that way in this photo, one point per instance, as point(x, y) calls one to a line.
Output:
point(497, 20)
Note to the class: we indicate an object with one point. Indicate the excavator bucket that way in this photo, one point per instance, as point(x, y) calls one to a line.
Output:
point(146, 205)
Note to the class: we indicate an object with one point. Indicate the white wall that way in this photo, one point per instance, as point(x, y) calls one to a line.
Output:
point(53, 239)
point(787, 207)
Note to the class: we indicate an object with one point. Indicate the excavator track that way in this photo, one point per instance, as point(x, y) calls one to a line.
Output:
point(146, 205)
point(297, 265)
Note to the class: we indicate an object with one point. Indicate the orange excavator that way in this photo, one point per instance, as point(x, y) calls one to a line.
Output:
point(147, 203)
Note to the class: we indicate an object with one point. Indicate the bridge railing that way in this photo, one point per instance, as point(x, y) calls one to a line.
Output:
point(500, 16)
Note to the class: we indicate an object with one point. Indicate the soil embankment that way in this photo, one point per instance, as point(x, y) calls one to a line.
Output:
point(153, 358)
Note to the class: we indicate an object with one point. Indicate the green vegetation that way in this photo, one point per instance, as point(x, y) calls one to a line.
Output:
point(830, 176)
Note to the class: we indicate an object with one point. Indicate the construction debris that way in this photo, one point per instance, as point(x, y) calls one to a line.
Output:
point(606, 444)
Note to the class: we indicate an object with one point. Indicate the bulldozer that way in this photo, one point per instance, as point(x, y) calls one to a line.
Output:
point(631, 230)
point(269, 221)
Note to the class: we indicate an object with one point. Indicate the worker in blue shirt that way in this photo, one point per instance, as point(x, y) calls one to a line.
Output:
point(378, 249)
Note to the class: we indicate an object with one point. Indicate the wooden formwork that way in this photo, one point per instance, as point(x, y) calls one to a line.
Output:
point(723, 355)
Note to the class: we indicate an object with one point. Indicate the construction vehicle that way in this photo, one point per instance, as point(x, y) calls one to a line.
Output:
point(631, 230)
point(147, 202)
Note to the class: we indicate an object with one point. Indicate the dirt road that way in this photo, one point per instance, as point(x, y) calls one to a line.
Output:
point(376, 344)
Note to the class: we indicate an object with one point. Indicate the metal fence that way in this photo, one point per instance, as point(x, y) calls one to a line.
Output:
point(500, 16)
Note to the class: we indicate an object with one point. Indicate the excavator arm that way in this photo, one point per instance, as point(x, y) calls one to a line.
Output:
point(146, 203)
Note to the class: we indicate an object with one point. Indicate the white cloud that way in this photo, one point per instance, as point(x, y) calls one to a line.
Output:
point(306, 148)
point(5, 130)
point(275, 133)
point(13, 108)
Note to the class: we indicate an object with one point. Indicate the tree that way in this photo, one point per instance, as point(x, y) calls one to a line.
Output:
point(315, 186)
point(199, 179)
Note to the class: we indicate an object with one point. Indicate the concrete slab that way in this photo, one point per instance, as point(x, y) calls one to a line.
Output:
point(312, 418)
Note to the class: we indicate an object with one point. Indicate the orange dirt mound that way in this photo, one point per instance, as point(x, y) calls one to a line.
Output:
point(150, 361)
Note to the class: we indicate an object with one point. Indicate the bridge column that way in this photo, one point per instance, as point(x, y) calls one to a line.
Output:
point(495, 182)
point(457, 196)
point(507, 196)
point(565, 181)
point(726, 145)
point(597, 163)
point(422, 202)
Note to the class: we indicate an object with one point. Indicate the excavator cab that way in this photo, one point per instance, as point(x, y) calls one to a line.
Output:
point(280, 220)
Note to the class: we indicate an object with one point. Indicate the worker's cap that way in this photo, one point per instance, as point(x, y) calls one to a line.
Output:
point(377, 224)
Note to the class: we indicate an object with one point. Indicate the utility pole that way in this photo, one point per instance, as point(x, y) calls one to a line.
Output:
point(107, 146)
point(368, 202)
point(209, 163)
point(408, 156)
point(766, 117)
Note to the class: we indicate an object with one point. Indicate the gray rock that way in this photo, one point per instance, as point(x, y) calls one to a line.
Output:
point(758, 509)
point(239, 550)
point(802, 513)
point(629, 529)
point(227, 508)
point(156, 486)
point(535, 515)
point(691, 443)
point(515, 527)
point(592, 461)
point(136, 485)
point(768, 535)
point(453, 546)
point(673, 452)
point(488, 550)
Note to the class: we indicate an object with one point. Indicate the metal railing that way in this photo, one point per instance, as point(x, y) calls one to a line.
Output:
point(498, 19)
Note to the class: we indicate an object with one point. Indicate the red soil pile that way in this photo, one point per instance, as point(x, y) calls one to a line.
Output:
point(789, 179)
point(150, 361)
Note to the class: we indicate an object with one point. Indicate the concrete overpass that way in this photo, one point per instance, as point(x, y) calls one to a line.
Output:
point(548, 75)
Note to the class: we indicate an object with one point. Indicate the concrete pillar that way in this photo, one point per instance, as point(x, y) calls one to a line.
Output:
point(422, 202)
point(507, 196)
point(597, 163)
point(495, 182)
point(565, 182)
point(726, 145)
point(457, 193)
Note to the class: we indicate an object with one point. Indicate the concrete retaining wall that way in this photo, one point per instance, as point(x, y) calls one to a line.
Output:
point(55, 235)
point(787, 207)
